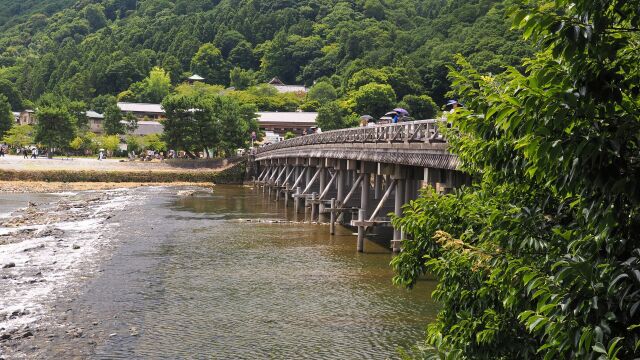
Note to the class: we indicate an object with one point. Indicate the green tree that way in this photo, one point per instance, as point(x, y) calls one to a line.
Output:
point(373, 99)
point(374, 9)
point(131, 123)
point(78, 112)
point(55, 128)
point(19, 136)
point(94, 14)
point(112, 120)
point(14, 97)
point(322, 92)
point(419, 107)
point(156, 86)
point(331, 117)
point(543, 248)
point(111, 143)
point(134, 143)
point(102, 102)
point(6, 116)
point(154, 142)
point(208, 63)
point(241, 79)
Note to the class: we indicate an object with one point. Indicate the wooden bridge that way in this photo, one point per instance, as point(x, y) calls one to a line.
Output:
point(358, 176)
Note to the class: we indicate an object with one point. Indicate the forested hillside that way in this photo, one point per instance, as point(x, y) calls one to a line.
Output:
point(92, 48)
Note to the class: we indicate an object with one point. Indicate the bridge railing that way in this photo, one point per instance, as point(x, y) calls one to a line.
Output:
point(405, 132)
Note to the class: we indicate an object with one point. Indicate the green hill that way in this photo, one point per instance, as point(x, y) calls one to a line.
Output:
point(91, 48)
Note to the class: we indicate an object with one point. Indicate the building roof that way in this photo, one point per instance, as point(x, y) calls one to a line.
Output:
point(276, 81)
point(141, 108)
point(94, 115)
point(196, 77)
point(147, 127)
point(306, 118)
point(290, 88)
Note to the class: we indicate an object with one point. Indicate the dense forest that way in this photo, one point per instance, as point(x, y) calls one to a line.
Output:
point(93, 48)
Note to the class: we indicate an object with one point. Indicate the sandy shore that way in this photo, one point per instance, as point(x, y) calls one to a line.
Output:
point(47, 187)
point(17, 163)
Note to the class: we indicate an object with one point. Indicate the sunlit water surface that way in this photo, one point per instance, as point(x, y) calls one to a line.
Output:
point(191, 278)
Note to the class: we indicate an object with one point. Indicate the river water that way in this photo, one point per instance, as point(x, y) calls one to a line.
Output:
point(210, 275)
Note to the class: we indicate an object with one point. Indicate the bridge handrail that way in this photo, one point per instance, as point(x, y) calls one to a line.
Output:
point(405, 132)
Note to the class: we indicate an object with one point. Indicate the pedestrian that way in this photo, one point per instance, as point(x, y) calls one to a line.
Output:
point(34, 153)
point(25, 153)
point(395, 118)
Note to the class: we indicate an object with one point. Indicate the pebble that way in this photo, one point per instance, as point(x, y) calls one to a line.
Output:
point(9, 265)
point(5, 337)
point(76, 246)
point(27, 334)
point(112, 335)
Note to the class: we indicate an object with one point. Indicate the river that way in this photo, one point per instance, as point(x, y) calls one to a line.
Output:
point(174, 273)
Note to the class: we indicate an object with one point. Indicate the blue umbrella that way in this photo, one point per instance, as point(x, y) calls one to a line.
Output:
point(401, 111)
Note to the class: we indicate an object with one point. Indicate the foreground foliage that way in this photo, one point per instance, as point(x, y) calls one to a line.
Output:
point(541, 257)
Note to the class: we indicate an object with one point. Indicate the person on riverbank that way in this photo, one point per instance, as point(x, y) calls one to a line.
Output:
point(34, 153)
point(25, 153)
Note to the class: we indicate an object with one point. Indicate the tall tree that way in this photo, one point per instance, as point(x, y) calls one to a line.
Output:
point(6, 116)
point(208, 63)
point(112, 120)
point(54, 128)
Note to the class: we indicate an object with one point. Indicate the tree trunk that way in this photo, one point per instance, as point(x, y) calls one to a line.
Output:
point(206, 151)
point(189, 154)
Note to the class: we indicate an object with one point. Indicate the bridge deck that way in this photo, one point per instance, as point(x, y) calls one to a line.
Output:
point(415, 143)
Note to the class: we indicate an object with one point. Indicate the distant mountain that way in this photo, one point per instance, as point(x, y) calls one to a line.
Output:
point(94, 47)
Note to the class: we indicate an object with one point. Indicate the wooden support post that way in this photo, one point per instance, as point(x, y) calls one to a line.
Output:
point(307, 180)
point(296, 201)
point(323, 186)
point(383, 200)
point(377, 186)
point(361, 217)
point(397, 234)
point(364, 192)
point(312, 180)
point(286, 195)
point(314, 196)
point(341, 181)
point(332, 221)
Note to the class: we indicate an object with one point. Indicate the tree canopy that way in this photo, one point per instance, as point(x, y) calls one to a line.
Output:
point(84, 50)
point(539, 258)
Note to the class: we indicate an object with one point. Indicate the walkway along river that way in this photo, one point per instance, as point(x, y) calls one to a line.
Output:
point(202, 274)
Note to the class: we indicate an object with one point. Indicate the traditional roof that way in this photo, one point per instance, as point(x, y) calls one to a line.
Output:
point(290, 88)
point(94, 115)
point(276, 81)
point(147, 127)
point(196, 77)
point(303, 118)
point(141, 108)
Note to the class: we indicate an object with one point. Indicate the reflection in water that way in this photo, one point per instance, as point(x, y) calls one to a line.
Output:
point(197, 280)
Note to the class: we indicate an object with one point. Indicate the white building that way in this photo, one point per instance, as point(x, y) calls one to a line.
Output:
point(283, 122)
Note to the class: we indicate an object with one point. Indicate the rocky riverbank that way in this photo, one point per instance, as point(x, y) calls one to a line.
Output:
point(46, 250)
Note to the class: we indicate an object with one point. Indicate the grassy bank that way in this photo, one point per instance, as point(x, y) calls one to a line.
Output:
point(232, 175)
